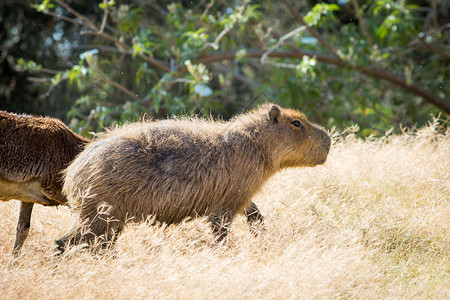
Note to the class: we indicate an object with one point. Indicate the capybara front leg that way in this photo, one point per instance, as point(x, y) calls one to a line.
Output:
point(255, 219)
point(220, 225)
point(23, 225)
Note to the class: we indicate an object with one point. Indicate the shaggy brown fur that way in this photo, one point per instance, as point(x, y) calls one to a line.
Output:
point(180, 168)
point(33, 152)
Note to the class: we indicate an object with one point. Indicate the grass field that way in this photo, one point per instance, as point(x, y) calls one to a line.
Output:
point(373, 222)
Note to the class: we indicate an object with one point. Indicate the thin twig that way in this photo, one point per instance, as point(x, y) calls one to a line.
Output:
point(105, 16)
point(362, 24)
point(150, 60)
point(64, 18)
point(435, 49)
point(89, 120)
point(299, 18)
point(49, 71)
point(215, 44)
point(155, 62)
point(105, 48)
point(281, 41)
point(106, 36)
point(257, 53)
point(198, 5)
point(39, 79)
point(434, 13)
point(119, 86)
point(210, 4)
point(238, 76)
point(80, 16)
point(278, 36)
point(156, 6)
point(224, 3)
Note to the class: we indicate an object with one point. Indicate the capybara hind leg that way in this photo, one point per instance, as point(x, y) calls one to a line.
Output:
point(23, 225)
point(220, 225)
point(255, 219)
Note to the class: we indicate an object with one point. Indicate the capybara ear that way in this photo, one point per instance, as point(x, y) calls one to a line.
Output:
point(274, 112)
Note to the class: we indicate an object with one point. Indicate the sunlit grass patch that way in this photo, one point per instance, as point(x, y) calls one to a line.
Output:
point(370, 223)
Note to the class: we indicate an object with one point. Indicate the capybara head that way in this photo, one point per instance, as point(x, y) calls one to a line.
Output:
point(296, 141)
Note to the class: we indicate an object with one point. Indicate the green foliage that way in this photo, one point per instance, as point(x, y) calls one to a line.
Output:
point(149, 61)
point(194, 41)
point(320, 13)
point(23, 65)
point(399, 24)
point(44, 6)
point(307, 66)
point(108, 4)
point(129, 19)
point(143, 43)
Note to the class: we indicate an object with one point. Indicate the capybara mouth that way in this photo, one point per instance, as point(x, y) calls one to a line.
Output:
point(324, 158)
point(318, 162)
point(327, 142)
point(322, 161)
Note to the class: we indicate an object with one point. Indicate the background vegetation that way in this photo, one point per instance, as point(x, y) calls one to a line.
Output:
point(379, 64)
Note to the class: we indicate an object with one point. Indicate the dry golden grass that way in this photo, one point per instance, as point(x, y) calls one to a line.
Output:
point(373, 222)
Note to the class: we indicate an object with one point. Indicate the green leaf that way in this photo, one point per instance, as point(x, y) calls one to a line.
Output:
point(44, 6)
point(382, 31)
point(108, 4)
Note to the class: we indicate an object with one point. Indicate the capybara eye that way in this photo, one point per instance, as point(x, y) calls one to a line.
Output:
point(297, 123)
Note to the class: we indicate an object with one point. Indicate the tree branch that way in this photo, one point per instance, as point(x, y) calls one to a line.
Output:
point(86, 21)
point(281, 40)
point(64, 18)
point(105, 17)
point(39, 79)
point(89, 120)
point(238, 76)
point(257, 53)
point(150, 60)
point(443, 104)
point(210, 4)
point(119, 86)
point(434, 13)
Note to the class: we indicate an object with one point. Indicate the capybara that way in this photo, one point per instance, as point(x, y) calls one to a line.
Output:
point(184, 168)
point(33, 152)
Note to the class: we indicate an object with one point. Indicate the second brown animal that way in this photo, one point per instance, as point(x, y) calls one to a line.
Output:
point(33, 152)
